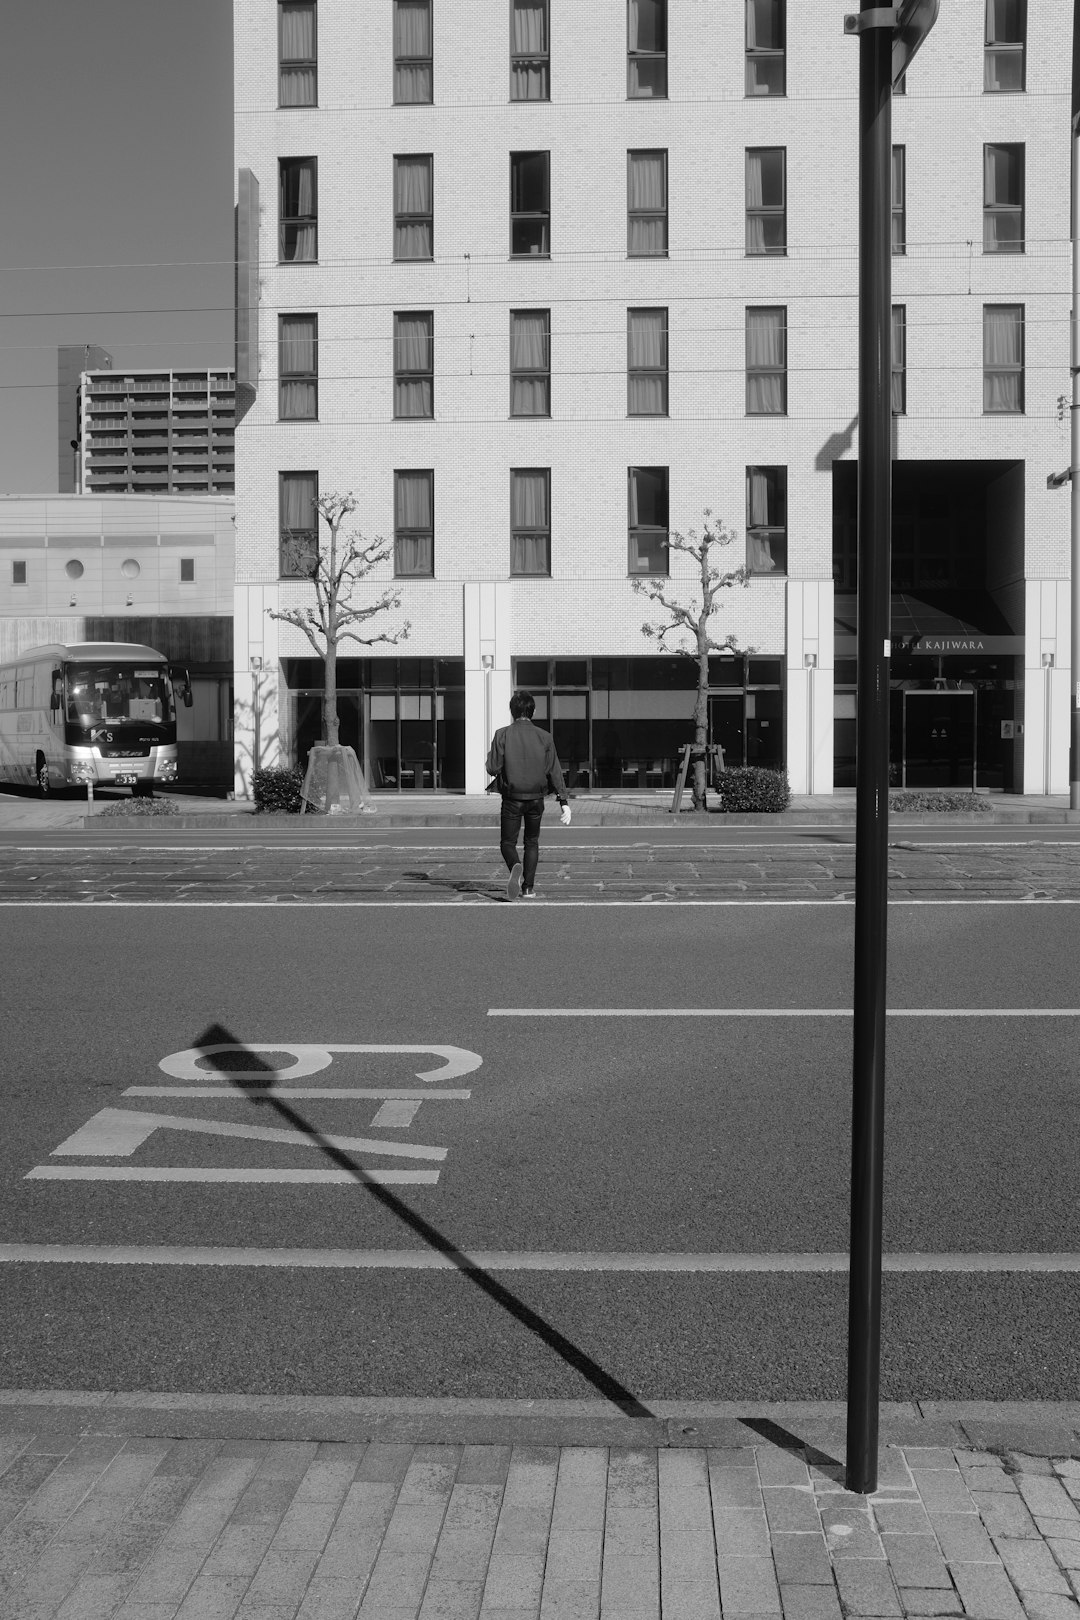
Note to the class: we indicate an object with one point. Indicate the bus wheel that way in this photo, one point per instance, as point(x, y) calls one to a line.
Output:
point(142, 790)
point(41, 773)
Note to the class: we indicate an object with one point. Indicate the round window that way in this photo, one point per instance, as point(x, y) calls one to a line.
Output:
point(74, 569)
point(130, 568)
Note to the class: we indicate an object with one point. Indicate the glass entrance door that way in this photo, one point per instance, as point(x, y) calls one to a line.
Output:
point(727, 726)
point(939, 739)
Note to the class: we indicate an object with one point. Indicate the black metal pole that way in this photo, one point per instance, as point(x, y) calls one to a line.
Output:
point(872, 763)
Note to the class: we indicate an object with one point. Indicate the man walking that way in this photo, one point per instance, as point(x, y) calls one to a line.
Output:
point(524, 759)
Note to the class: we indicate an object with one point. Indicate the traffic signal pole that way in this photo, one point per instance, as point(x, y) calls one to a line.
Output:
point(872, 761)
point(1074, 431)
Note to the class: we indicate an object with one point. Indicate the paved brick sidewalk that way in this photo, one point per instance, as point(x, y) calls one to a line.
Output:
point(152, 1529)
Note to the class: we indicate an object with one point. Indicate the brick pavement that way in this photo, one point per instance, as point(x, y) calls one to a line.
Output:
point(99, 1527)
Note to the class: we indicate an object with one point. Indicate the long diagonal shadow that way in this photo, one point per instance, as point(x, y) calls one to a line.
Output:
point(258, 1074)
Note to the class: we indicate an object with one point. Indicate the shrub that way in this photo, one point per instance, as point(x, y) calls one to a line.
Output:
point(752, 788)
point(140, 807)
point(277, 789)
point(909, 799)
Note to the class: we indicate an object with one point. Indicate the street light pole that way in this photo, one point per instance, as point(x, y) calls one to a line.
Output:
point(1074, 432)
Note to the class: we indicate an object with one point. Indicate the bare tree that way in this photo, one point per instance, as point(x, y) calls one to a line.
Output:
point(691, 620)
point(340, 563)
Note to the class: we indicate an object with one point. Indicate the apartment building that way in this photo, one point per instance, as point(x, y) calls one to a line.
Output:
point(540, 283)
point(154, 432)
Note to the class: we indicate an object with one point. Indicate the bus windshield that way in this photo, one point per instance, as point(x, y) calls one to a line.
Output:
point(119, 694)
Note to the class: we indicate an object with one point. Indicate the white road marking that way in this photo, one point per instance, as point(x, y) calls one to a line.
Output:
point(345, 1093)
point(117, 1132)
point(308, 1058)
point(507, 1260)
point(459, 902)
point(778, 1012)
point(396, 1113)
point(127, 1172)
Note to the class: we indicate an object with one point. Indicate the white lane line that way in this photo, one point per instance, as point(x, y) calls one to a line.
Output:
point(472, 901)
point(514, 1260)
point(346, 1093)
point(778, 1012)
point(126, 1172)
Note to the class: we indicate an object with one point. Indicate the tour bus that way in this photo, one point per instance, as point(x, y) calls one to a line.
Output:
point(92, 712)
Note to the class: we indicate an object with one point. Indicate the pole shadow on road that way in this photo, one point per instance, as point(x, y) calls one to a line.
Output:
point(261, 1076)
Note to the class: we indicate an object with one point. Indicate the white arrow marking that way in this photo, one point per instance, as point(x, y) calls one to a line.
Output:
point(310, 1059)
point(117, 1132)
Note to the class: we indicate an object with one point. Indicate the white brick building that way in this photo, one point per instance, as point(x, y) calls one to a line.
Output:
point(526, 231)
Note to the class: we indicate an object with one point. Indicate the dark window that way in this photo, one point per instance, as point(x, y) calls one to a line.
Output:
point(899, 360)
point(1003, 359)
point(766, 200)
point(187, 570)
point(1003, 199)
point(412, 51)
point(414, 524)
point(18, 573)
point(648, 503)
point(298, 210)
point(646, 205)
point(766, 520)
point(646, 48)
point(529, 51)
point(530, 520)
point(766, 362)
point(899, 199)
point(298, 550)
point(298, 83)
point(530, 362)
point(1006, 30)
point(647, 362)
point(414, 208)
point(298, 367)
point(530, 204)
point(765, 48)
point(414, 364)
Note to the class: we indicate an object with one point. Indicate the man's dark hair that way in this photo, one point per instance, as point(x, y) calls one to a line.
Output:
point(522, 703)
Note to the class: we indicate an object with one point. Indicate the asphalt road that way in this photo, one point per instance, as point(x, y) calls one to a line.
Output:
point(622, 1136)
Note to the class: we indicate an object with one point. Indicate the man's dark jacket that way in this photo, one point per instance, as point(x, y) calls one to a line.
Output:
point(526, 756)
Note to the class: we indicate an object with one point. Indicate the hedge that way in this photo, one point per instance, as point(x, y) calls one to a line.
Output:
point(910, 799)
point(140, 807)
point(277, 789)
point(753, 789)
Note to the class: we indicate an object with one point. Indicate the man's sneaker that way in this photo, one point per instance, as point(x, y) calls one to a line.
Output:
point(528, 894)
point(513, 882)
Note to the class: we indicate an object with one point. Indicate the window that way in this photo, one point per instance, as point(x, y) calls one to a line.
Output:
point(414, 365)
point(529, 51)
point(648, 502)
point(413, 208)
point(298, 367)
point(766, 362)
point(646, 48)
point(899, 359)
point(298, 84)
point(646, 205)
point(187, 570)
point(530, 520)
point(414, 524)
point(530, 362)
point(1003, 61)
point(1003, 359)
point(412, 51)
point(766, 520)
point(298, 548)
point(766, 200)
point(530, 204)
point(1003, 199)
point(765, 48)
point(899, 199)
point(18, 573)
point(298, 210)
point(647, 362)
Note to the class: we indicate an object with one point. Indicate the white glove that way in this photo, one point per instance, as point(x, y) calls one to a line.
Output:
point(565, 816)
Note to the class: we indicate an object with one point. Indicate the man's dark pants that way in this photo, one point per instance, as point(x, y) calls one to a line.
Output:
point(514, 811)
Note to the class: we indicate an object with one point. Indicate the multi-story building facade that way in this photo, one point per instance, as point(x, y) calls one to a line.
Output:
point(72, 359)
point(155, 432)
point(540, 283)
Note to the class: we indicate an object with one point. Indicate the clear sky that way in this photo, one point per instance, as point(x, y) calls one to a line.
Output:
point(116, 200)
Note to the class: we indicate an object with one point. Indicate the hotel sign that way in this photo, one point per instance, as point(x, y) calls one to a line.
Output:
point(967, 644)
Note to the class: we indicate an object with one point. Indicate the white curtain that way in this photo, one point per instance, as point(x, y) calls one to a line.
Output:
point(413, 365)
point(647, 362)
point(297, 44)
point(766, 362)
point(297, 366)
point(298, 494)
point(412, 50)
point(766, 509)
point(1003, 347)
point(413, 551)
point(529, 79)
point(530, 353)
point(764, 190)
point(529, 512)
point(647, 203)
point(298, 240)
point(412, 196)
